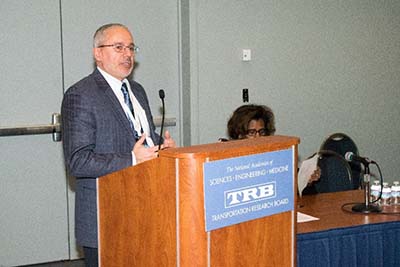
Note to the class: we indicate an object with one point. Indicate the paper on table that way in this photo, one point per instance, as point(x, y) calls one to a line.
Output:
point(307, 168)
point(301, 217)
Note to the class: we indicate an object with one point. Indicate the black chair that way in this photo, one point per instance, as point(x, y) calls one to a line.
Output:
point(341, 144)
point(335, 174)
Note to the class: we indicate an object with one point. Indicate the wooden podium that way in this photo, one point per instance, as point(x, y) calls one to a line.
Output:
point(152, 214)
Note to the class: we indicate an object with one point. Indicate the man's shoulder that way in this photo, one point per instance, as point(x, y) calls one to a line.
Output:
point(135, 84)
point(85, 84)
point(137, 87)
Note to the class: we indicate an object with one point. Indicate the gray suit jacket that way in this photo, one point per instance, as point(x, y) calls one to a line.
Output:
point(97, 140)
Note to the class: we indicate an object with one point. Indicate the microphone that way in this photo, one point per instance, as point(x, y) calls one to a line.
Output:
point(350, 156)
point(367, 206)
point(161, 94)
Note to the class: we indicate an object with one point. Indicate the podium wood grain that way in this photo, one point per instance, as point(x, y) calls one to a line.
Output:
point(152, 214)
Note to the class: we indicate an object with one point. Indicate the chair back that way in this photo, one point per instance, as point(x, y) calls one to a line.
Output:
point(335, 173)
point(341, 144)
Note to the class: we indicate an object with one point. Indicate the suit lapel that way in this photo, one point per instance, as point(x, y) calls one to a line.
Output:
point(112, 101)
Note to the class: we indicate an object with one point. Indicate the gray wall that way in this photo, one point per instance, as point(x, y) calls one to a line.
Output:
point(33, 199)
point(322, 66)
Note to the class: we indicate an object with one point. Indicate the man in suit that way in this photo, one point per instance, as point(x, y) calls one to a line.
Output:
point(107, 126)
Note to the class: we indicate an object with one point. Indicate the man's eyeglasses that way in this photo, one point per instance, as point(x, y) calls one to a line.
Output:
point(120, 48)
point(253, 132)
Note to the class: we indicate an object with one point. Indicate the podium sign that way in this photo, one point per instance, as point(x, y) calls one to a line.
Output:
point(220, 205)
point(248, 187)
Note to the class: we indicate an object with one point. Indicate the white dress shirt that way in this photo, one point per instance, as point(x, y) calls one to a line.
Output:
point(140, 121)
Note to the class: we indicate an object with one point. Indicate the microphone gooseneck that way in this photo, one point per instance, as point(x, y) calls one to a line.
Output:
point(161, 94)
point(367, 206)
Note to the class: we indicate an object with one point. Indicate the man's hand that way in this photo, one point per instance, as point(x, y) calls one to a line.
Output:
point(143, 153)
point(168, 141)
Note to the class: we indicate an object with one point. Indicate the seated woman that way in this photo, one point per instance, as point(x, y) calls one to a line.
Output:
point(251, 121)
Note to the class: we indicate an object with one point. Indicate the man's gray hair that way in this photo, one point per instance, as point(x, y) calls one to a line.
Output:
point(99, 35)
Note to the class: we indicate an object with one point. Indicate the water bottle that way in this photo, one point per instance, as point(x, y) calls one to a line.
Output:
point(395, 200)
point(386, 194)
point(375, 190)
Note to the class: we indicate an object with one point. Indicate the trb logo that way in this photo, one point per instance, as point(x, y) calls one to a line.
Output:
point(249, 194)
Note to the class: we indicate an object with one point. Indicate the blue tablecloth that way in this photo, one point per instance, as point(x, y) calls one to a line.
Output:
point(366, 245)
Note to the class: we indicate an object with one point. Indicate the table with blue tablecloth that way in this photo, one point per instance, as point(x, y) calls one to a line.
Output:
point(342, 238)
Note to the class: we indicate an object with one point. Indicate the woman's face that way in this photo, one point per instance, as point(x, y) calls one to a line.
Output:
point(255, 128)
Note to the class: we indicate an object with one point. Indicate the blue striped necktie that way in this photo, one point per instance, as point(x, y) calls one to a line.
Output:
point(128, 102)
point(127, 99)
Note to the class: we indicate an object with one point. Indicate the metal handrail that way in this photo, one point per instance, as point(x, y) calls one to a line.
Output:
point(30, 130)
point(167, 121)
point(55, 127)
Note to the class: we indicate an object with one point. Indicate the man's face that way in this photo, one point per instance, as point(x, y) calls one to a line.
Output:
point(117, 64)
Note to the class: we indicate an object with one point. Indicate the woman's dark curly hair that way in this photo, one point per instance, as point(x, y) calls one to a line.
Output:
point(239, 121)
